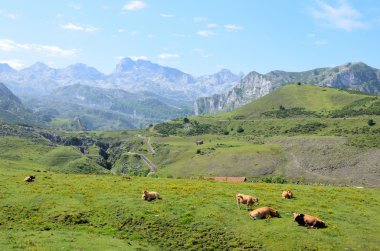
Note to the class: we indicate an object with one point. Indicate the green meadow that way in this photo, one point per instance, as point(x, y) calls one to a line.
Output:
point(87, 192)
point(105, 212)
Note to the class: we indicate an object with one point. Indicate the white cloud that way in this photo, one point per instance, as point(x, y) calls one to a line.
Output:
point(232, 27)
point(14, 63)
point(168, 56)
point(343, 17)
point(134, 58)
point(150, 36)
point(121, 30)
point(59, 15)
point(7, 15)
point(166, 15)
point(79, 27)
point(200, 19)
point(206, 33)
point(49, 50)
point(134, 5)
point(212, 25)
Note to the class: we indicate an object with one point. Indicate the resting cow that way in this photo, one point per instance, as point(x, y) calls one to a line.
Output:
point(264, 212)
point(308, 220)
point(287, 194)
point(149, 196)
point(246, 199)
point(29, 178)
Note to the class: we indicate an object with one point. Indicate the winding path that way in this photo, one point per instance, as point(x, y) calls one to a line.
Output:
point(150, 148)
point(152, 166)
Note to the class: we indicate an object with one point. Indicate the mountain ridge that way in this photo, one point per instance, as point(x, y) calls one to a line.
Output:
point(355, 76)
point(130, 75)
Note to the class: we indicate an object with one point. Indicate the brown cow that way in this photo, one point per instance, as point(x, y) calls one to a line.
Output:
point(29, 178)
point(263, 212)
point(246, 199)
point(287, 194)
point(308, 221)
point(149, 196)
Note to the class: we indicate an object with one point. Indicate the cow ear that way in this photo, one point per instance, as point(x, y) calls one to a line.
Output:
point(301, 215)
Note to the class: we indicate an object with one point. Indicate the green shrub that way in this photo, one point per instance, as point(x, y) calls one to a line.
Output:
point(371, 122)
point(240, 129)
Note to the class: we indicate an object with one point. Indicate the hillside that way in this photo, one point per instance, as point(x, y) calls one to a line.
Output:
point(301, 132)
point(308, 99)
point(284, 134)
point(12, 109)
point(354, 76)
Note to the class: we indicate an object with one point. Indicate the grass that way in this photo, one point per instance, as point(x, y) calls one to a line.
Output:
point(103, 212)
point(321, 100)
point(218, 156)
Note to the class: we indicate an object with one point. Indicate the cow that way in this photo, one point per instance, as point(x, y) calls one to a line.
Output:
point(263, 212)
point(308, 221)
point(287, 194)
point(246, 199)
point(199, 142)
point(149, 196)
point(29, 178)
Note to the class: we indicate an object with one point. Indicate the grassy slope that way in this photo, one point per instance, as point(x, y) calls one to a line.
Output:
point(316, 147)
point(312, 98)
point(17, 153)
point(91, 212)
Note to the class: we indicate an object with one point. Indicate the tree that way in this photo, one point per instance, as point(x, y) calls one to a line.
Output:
point(282, 107)
point(240, 129)
point(186, 120)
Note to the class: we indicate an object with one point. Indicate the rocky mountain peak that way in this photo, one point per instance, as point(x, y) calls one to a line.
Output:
point(4, 67)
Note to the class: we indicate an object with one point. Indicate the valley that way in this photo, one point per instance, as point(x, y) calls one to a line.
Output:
point(320, 142)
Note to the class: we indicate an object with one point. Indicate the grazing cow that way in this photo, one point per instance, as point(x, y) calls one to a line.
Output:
point(199, 142)
point(246, 199)
point(308, 221)
point(263, 212)
point(29, 178)
point(287, 194)
point(149, 196)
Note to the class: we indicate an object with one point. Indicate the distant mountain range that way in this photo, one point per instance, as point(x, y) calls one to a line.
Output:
point(138, 92)
point(129, 75)
point(135, 95)
point(354, 76)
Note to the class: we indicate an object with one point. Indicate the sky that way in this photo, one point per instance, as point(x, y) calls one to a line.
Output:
point(196, 36)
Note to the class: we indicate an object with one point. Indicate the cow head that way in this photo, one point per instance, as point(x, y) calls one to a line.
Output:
point(299, 218)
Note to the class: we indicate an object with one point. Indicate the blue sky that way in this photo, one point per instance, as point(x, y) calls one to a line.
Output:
point(195, 36)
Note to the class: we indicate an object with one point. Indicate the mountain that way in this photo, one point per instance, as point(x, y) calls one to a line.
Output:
point(141, 91)
point(5, 68)
point(355, 76)
point(94, 108)
point(11, 107)
point(143, 75)
point(129, 75)
point(40, 79)
point(302, 100)
point(217, 83)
